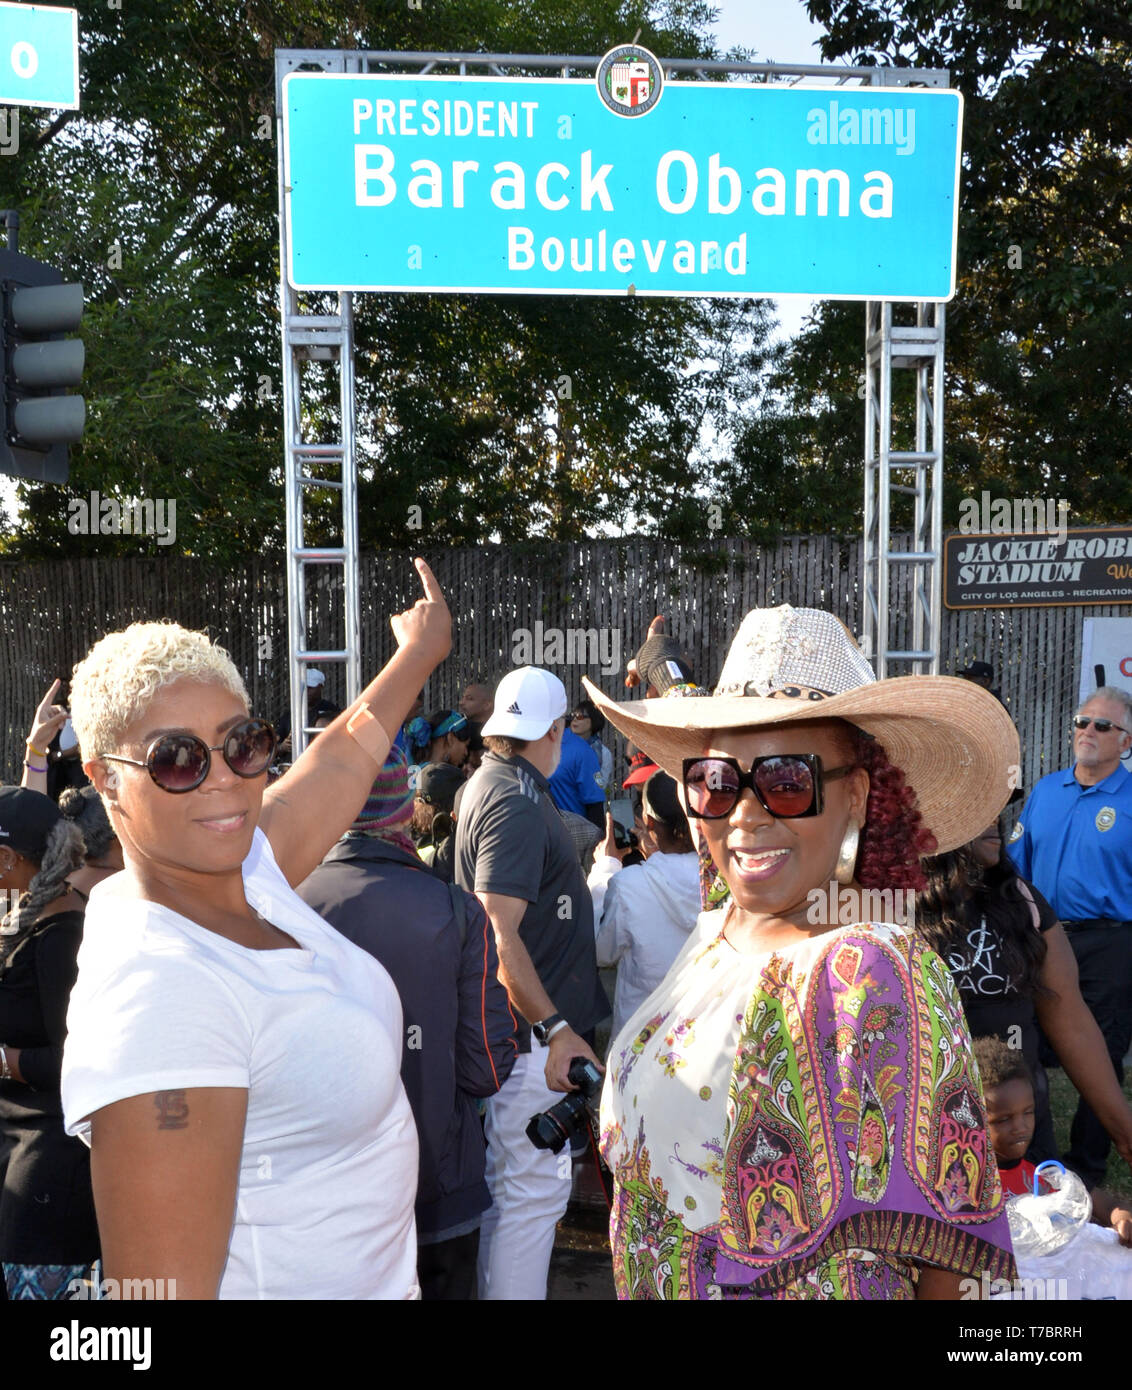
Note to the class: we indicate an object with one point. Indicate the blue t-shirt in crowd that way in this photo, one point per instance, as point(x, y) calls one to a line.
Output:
point(577, 782)
point(1074, 844)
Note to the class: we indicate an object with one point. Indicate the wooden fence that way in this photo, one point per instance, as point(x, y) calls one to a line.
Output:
point(51, 612)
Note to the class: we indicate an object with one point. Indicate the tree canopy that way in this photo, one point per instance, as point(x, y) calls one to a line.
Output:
point(1039, 377)
point(558, 417)
point(507, 416)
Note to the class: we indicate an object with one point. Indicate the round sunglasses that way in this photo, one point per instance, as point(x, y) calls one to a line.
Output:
point(787, 785)
point(1082, 721)
point(180, 762)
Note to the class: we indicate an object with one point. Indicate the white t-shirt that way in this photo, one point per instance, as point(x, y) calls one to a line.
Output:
point(328, 1174)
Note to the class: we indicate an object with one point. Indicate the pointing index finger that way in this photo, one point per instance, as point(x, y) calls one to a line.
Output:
point(428, 581)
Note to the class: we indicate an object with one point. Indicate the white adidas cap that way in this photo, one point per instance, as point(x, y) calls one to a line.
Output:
point(527, 702)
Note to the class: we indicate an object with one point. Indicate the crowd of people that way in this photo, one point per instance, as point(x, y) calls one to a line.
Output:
point(279, 1026)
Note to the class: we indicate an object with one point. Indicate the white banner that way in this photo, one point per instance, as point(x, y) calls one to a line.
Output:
point(1106, 655)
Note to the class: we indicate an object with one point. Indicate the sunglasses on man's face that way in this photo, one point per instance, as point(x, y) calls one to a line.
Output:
point(180, 762)
point(787, 785)
point(1082, 721)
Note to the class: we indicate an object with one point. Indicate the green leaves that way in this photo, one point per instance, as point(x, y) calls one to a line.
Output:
point(506, 417)
point(1039, 375)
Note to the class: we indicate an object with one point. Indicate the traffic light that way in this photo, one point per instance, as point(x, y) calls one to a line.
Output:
point(38, 418)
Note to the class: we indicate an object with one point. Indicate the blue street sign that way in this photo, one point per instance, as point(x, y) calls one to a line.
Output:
point(538, 185)
point(39, 56)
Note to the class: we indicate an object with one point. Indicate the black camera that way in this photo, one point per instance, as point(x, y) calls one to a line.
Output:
point(554, 1128)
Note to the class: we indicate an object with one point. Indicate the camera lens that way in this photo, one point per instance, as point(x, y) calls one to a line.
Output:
point(554, 1128)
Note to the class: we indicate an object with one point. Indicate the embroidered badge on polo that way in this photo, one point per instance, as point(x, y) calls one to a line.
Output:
point(1106, 818)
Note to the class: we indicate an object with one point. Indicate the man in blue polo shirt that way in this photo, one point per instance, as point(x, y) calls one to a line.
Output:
point(576, 783)
point(1074, 843)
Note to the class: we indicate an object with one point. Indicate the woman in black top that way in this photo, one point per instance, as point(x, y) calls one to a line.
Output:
point(48, 1234)
point(1015, 970)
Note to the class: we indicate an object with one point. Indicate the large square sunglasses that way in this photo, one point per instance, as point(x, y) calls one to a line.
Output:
point(787, 785)
point(180, 762)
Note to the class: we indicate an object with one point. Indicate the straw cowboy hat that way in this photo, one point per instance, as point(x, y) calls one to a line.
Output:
point(956, 745)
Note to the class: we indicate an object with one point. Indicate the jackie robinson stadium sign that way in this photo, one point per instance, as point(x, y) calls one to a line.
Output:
point(1018, 570)
point(626, 185)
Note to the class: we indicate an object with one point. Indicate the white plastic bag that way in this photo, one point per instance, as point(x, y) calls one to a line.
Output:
point(1059, 1252)
point(1041, 1225)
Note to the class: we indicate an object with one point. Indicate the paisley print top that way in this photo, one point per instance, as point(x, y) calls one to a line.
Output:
point(806, 1123)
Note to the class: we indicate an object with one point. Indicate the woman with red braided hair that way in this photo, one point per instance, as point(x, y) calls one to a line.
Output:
point(794, 1113)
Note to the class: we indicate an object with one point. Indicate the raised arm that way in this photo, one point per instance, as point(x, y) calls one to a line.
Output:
point(607, 862)
point(1080, 1046)
point(165, 1169)
point(309, 809)
point(46, 723)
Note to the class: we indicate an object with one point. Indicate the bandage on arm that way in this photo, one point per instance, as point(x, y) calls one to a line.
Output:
point(369, 734)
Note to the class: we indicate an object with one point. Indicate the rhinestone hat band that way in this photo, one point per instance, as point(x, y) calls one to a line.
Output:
point(797, 653)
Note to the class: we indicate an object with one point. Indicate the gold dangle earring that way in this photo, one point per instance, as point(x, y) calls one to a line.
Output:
point(847, 857)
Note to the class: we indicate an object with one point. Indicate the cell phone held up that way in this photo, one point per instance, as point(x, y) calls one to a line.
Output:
point(621, 809)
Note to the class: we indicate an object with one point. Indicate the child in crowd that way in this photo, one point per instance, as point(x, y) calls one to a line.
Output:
point(1009, 1094)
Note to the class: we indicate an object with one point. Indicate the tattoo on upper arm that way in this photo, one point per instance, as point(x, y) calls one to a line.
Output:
point(172, 1110)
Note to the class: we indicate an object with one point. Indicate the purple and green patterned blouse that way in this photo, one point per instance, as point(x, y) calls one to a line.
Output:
point(805, 1123)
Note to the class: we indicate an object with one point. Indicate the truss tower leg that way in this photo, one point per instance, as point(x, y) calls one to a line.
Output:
point(323, 464)
point(915, 472)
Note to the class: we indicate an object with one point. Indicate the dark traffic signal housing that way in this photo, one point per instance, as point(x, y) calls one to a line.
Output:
point(38, 416)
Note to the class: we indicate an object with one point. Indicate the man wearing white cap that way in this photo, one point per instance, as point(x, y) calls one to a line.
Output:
point(315, 680)
point(514, 852)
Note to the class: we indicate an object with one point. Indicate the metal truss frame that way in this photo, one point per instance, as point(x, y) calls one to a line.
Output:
point(919, 348)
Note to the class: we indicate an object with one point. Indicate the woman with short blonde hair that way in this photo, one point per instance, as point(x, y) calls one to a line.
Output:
point(232, 1061)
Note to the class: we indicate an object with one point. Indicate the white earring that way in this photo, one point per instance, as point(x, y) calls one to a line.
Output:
point(847, 857)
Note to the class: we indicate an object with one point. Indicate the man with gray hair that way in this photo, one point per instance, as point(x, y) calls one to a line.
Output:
point(1074, 843)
